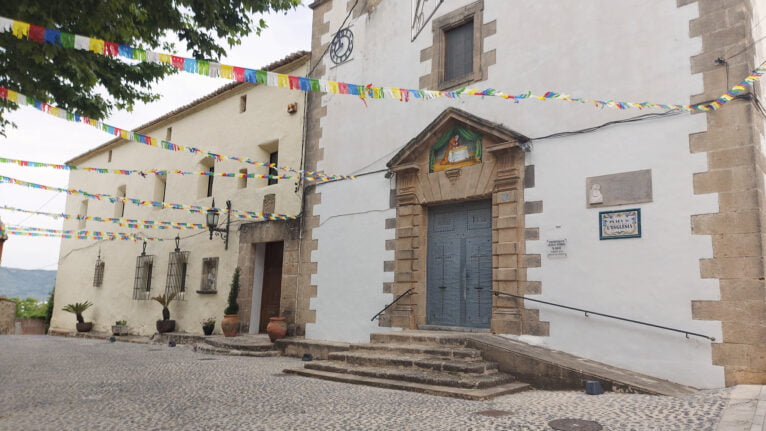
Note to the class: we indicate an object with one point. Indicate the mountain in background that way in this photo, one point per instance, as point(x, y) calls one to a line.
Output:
point(26, 283)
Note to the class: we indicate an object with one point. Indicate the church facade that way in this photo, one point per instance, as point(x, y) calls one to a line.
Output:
point(466, 210)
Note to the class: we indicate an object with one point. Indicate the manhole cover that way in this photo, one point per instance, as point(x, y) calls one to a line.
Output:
point(574, 425)
point(493, 413)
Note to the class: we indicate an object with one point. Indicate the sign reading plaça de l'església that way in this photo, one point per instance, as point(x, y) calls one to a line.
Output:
point(620, 224)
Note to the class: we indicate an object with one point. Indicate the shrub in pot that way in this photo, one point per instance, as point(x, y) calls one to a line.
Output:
point(78, 308)
point(208, 325)
point(230, 322)
point(120, 327)
point(165, 325)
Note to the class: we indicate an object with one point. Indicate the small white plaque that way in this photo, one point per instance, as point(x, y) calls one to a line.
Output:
point(557, 247)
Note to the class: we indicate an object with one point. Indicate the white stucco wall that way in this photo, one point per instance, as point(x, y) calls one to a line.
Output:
point(633, 50)
point(352, 243)
point(216, 125)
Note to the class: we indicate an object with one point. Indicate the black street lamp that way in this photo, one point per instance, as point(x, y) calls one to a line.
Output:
point(211, 219)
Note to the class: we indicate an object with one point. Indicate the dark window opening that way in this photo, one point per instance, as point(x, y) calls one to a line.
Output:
point(210, 181)
point(273, 159)
point(458, 51)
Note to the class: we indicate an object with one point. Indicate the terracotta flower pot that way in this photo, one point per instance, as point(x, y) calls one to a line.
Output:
point(164, 326)
point(84, 327)
point(277, 328)
point(230, 325)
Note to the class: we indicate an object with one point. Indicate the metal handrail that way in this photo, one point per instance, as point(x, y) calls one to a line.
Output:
point(392, 303)
point(587, 312)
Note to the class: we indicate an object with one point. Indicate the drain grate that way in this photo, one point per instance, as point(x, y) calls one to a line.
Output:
point(575, 425)
point(206, 359)
point(154, 350)
point(494, 413)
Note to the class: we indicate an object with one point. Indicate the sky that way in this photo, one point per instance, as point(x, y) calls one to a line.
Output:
point(42, 138)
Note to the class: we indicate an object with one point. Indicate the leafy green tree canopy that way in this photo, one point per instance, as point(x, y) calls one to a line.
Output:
point(72, 78)
point(26, 308)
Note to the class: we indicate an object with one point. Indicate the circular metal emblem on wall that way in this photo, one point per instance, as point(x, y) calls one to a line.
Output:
point(341, 46)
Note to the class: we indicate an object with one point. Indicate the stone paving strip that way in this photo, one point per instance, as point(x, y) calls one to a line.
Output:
point(746, 410)
point(57, 383)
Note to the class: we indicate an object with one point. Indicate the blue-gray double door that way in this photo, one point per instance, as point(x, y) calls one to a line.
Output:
point(459, 271)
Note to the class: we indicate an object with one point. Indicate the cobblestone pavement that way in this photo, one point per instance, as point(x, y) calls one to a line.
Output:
point(54, 383)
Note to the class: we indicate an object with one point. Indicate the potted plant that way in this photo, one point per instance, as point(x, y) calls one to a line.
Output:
point(78, 308)
point(165, 325)
point(208, 325)
point(120, 327)
point(230, 322)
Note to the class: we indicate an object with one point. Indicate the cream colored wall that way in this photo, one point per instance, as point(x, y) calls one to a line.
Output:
point(217, 126)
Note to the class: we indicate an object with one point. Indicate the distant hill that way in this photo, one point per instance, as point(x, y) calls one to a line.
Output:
point(26, 283)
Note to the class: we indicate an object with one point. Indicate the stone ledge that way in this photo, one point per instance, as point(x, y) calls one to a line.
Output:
point(546, 368)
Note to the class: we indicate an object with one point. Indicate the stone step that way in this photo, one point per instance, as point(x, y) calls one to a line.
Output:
point(453, 352)
point(414, 375)
point(252, 344)
point(420, 337)
point(464, 393)
point(379, 359)
point(212, 350)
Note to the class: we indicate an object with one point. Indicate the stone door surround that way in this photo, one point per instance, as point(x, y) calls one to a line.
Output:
point(498, 177)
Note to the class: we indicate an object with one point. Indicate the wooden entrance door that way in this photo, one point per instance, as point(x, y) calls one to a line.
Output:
point(272, 283)
point(459, 267)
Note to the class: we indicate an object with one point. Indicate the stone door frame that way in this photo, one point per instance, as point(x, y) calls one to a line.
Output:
point(499, 177)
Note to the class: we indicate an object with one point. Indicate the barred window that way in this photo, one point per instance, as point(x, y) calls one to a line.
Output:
point(209, 274)
point(142, 286)
point(98, 275)
point(176, 281)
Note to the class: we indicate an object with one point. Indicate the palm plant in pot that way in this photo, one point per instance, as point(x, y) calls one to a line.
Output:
point(165, 325)
point(230, 322)
point(78, 308)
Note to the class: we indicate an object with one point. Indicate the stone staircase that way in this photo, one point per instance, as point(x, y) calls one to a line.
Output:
point(246, 345)
point(433, 363)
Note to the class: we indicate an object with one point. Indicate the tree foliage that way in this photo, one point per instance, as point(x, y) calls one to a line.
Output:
point(233, 306)
point(92, 85)
point(29, 307)
point(49, 310)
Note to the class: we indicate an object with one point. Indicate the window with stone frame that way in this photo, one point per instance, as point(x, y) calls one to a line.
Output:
point(209, 274)
point(457, 57)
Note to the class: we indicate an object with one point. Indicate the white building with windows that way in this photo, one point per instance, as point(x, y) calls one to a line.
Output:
point(649, 215)
point(119, 277)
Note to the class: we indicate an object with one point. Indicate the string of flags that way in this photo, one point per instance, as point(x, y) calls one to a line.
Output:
point(81, 234)
point(23, 30)
point(241, 214)
point(122, 222)
point(128, 135)
point(144, 173)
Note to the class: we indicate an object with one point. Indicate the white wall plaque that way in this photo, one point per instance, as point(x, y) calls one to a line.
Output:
point(557, 247)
